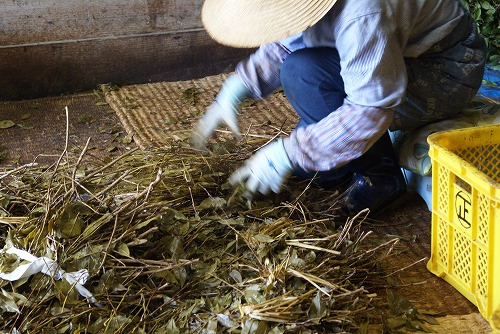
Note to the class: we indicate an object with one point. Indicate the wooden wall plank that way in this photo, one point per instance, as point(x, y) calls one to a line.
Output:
point(58, 68)
point(51, 47)
point(33, 21)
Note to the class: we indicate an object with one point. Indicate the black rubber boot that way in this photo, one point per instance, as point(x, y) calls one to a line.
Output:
point(338, 178)
point(378, 181)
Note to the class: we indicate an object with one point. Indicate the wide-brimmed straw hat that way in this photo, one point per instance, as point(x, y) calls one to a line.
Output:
point(250, 23)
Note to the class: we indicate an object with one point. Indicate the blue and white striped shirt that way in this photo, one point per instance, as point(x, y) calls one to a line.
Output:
point(373, 38)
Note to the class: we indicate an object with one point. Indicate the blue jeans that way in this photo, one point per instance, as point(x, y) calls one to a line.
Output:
point(312, 83)
point(440, 85)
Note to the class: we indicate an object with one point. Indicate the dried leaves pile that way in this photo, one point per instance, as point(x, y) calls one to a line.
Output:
point(170, 248)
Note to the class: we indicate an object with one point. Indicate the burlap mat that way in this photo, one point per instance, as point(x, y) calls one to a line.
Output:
point(155, 113)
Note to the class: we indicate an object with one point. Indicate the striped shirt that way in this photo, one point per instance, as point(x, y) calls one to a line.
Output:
point(373, 38)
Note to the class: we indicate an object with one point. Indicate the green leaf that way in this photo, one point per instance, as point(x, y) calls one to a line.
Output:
point(85, 119)
point(236, 275)
point(110, 282)
point(252, 326)
point(263, 238)
point(398, 304)
point(190, 95)
point(66, 293)
point(94, 226)
point(9, 262)
point(226, 321)
point(318, 308)
point(417, 325)
point(171, 327)
point(486, 5)
point(123, 249)
point(117, 323)
point(5, 124)
point(427, 318)
point(8, 303)
point(253, 294)
point(128, 138)
point(363, 328)
point(397, 322)
point(211, 327)
point(215, 203)
point(70, 228)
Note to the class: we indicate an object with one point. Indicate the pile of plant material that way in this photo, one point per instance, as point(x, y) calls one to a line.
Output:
point(157, 242)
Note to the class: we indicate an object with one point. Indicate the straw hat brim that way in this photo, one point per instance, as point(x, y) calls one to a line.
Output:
point(244, 23)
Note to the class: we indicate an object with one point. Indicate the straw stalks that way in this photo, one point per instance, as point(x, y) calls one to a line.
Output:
point(171, 248)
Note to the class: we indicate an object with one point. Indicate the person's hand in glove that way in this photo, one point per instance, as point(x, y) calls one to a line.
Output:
point(224, 109)
point(265, 170)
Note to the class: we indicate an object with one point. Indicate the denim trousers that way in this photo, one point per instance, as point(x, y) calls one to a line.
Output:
point(314, 87)
point(439, 86)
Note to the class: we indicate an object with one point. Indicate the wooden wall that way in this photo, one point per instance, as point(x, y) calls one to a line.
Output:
point(52, 47)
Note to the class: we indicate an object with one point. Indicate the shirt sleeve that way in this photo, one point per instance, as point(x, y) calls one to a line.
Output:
point(375, 80)
point(339, 138)
point(261, 70)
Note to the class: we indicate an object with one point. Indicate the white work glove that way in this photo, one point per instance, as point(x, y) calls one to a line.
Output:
point(223, 110)
point(265, 170)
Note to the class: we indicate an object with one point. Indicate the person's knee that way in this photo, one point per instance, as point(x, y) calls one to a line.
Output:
point(311, 67)
point(294, 70)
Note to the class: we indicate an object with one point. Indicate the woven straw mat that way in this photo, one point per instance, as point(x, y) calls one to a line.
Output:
point(157, 113)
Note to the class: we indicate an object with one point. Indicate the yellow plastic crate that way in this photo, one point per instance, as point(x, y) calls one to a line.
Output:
point(465, 242)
